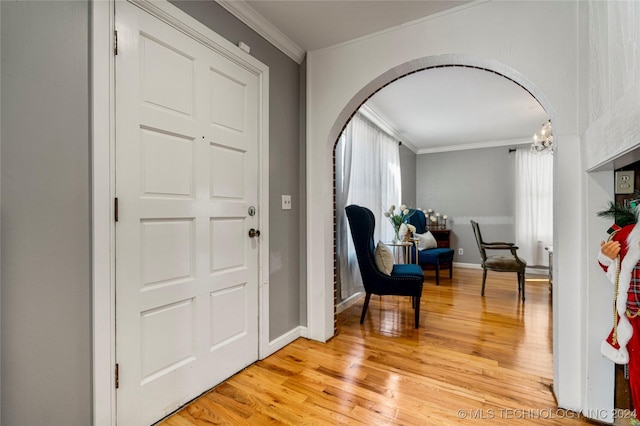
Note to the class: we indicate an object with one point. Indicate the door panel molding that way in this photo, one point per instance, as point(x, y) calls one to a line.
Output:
point(103, 185)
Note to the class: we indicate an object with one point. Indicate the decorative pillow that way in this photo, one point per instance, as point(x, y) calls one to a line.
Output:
point(384, 258)
point(426, 241)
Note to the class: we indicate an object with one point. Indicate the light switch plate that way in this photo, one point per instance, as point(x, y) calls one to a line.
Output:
point(286, 202)
point(625, 183)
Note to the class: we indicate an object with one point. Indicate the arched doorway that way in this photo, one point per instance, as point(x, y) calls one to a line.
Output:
point(341, 78)
point(522, 114)
point(394, 74)
point(321, 215)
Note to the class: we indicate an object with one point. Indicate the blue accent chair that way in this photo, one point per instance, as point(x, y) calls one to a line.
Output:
point(434, 258)
point(405, 279)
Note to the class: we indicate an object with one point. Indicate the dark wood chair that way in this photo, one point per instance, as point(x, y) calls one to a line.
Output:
point(499, 263)
point(405, 279)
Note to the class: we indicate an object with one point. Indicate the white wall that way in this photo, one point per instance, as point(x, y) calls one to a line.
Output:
point(611, 93)
point(569, 323)
point(599, 391)
point(613, 63)
point(502, 36)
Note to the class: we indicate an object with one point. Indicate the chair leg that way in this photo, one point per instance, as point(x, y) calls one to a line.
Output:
point(438, 274)
point(484, 280)
point(522, 284)
point(451, 270)
point(364, 308)
point(417, 312)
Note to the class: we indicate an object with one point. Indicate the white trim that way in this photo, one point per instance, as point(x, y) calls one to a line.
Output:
point(528, 270)
point(187, 24)
point(282, 341)
point(103, 292)
point(348, 302)
point(535, 271)
point(266, 29)
point(478, 145)
point(103, 175)
point(263, 216)
point(467, 265)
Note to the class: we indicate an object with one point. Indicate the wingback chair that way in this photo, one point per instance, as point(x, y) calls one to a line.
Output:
point(405, 279)
point(505, 263)
point(432, 258)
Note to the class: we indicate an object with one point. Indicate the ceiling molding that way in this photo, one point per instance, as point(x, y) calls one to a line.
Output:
point(488, 144)
point(386, 127)
point(248, 15)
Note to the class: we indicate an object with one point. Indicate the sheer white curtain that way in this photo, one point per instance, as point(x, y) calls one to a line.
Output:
point(367, 174)
point(534, 206)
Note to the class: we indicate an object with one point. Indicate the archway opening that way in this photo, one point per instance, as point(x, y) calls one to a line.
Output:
point(512, 77)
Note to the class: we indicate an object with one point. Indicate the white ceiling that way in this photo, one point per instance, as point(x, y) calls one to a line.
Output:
point(442, 109)
point(316, 24)
point(439, 109)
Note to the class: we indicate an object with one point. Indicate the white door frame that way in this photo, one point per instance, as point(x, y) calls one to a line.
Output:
point(103, 186)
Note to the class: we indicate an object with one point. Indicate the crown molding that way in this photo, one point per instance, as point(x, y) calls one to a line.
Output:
point(488, 144)
point(248, 15)
point(372, 115)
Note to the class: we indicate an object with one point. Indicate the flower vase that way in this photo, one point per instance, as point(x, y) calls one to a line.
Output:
point(396, 239)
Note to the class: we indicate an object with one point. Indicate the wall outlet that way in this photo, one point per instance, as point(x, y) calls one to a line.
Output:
point(625, 182)
point(460, 251)
point(286, 202)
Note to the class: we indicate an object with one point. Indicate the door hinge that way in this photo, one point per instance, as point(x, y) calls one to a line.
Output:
point(115, 42)
point(117, 376)
point(115, 209)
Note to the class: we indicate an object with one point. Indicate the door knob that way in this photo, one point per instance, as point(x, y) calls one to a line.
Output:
point(254, 233)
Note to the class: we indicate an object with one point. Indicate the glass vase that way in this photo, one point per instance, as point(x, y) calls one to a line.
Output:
point(396, 238)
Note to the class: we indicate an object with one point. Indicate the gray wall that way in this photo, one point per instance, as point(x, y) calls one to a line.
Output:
point(302, 183)
point(45, 197)
point(408, 176)
point(46, 273)
point(473, 184)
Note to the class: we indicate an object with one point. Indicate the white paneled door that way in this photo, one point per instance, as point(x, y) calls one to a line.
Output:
point(186, 177)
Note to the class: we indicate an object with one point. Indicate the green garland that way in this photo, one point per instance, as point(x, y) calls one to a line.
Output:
point(621, 215)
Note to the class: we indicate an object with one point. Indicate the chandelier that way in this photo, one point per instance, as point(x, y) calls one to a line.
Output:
point(543, 142)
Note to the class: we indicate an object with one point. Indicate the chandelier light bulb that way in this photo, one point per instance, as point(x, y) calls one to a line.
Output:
point(543, 142)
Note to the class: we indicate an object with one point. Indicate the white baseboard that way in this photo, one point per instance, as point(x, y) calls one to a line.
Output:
point(351, 300)
point(282, 341)
point(534, 271)
point(467, 265)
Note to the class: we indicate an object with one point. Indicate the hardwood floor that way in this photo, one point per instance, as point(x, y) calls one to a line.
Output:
point(473, 360)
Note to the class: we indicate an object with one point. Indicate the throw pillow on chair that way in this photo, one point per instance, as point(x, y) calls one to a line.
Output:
point(426, 241)
point(384, 258)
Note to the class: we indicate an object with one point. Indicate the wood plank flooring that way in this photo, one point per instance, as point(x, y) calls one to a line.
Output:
point(473, 360)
